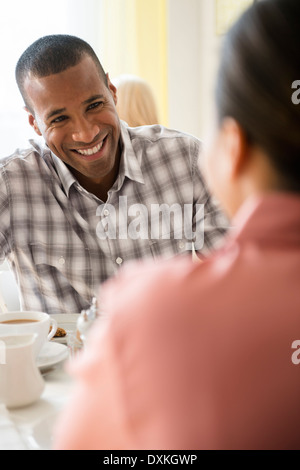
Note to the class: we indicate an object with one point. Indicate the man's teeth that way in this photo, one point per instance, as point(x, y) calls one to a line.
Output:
point(91, 151)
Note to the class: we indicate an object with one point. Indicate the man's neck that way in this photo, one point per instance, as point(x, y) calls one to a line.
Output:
point(96, 186)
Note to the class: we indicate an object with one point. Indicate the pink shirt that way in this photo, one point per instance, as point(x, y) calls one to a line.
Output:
point(198, 356)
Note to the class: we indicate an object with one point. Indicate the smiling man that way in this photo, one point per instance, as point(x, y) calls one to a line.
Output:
point(58, 199)
point(74, 111)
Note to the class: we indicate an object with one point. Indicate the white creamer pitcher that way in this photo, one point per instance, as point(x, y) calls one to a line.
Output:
point(21, 382)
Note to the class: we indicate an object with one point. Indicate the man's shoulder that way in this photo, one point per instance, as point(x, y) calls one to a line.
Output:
point(29, 154)
point(162, 144)
point(157, 132)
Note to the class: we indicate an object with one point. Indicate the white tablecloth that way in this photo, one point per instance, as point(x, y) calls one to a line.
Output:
point(31, 427)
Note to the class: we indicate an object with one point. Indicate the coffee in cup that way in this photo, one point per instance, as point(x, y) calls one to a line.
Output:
point(27, 323)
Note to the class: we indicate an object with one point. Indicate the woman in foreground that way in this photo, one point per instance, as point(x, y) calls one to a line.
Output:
point(202, 356)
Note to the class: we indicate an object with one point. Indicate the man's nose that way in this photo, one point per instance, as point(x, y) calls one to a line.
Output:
point(85, 131)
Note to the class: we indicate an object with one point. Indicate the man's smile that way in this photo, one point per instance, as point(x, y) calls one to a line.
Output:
point(92, 152)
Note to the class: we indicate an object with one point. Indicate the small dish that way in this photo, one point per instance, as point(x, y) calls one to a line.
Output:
point(67, 321)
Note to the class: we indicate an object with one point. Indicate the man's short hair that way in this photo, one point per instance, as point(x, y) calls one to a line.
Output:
point(53, 54)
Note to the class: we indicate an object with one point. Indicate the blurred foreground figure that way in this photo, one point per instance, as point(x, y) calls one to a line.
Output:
point(136, 103)
point(203, 356)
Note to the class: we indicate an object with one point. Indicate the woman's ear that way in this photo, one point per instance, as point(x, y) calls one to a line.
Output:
point(235, 146)
point(32, 122)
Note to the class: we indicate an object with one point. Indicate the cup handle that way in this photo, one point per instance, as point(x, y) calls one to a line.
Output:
point(53, 325)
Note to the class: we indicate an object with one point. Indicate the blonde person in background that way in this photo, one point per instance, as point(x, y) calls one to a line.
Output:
point(136, 103)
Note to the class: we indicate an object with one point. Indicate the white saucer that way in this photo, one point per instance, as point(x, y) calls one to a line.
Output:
point(51, 355)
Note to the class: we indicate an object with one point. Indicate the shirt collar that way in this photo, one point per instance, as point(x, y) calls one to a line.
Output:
point(129, 164)
point(65, 176)
point(272, 217)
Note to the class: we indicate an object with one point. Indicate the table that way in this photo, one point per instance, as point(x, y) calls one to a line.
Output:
point(34, 423)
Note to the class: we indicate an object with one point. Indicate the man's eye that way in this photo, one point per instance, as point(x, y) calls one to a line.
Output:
point(59, 119)
point(98, 104)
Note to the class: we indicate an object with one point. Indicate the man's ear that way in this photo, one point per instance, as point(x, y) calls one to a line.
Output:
point(32, 122)
point(112, 89)
point(235, 145)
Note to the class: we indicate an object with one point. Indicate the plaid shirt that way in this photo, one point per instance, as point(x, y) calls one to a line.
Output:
point(61, 240)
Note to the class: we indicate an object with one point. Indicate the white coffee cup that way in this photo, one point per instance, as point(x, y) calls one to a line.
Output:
point(27, 323)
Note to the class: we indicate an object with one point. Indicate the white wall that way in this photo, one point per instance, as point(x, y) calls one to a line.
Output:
point(193, 59)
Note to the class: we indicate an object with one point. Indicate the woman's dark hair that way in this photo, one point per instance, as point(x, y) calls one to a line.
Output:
point(53, 54)
point(260, 62)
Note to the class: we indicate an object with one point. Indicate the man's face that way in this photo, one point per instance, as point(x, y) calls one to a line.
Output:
point(75, 113)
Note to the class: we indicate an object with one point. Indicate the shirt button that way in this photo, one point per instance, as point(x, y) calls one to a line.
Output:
point(119, 261)
point(181, 245)
point(61, 261)
point(106, 212)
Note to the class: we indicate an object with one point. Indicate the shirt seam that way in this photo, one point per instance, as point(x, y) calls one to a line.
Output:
point(10, 241)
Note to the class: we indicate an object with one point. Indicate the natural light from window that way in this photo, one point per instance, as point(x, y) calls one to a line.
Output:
point(21, 23)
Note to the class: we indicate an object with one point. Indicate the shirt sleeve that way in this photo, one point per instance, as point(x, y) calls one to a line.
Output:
point(4, 220)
